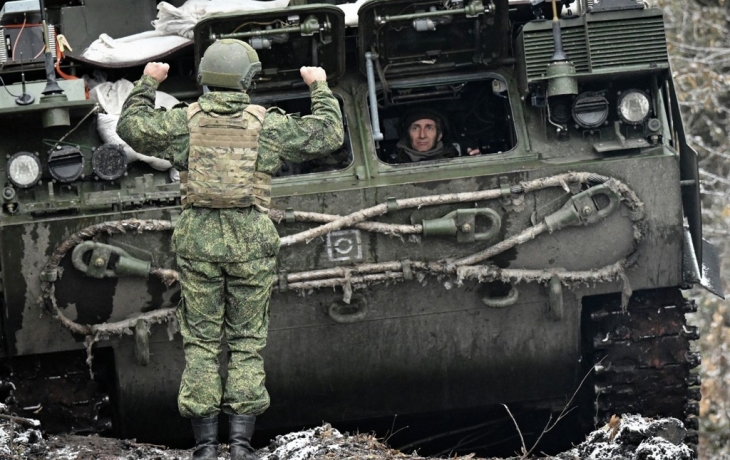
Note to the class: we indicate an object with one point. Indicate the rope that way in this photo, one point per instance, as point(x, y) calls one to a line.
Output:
point(359, 276)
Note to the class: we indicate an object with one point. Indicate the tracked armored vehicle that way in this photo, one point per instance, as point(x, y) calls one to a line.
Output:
point(551, 262)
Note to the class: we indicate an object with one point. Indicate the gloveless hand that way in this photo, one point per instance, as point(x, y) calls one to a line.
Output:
point(157, 70)
point(312, 74)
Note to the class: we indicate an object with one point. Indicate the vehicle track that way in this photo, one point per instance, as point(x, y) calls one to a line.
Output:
point(642, 357)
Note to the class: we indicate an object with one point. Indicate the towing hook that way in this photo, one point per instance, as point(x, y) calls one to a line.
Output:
point(462, 223)
point(99, 260)
point(585, 208)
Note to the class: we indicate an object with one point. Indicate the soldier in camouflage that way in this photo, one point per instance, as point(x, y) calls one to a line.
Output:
point(226, 246)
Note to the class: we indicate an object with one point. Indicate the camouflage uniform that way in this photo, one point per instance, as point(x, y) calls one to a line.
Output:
point(227, 256)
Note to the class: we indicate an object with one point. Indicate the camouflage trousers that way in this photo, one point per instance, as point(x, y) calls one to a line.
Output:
point(217, 298)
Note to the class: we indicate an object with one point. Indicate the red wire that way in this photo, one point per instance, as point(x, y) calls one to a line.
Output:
point(39, 53)
point(17, 39)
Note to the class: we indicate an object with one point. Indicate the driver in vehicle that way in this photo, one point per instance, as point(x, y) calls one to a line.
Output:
point(423, 139)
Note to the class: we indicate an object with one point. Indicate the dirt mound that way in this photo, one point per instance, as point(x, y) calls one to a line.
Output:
point(630, 437)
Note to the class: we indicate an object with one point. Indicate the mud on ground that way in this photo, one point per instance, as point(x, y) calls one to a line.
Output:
point(630, 437)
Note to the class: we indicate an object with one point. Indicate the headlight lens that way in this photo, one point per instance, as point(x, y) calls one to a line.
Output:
point(24, 169)
point(633, 107)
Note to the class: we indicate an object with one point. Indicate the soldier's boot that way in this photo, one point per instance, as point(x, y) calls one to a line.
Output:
point(240, 431)
point(205, 431)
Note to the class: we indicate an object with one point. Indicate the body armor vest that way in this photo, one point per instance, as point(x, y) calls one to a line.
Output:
point(222, 160)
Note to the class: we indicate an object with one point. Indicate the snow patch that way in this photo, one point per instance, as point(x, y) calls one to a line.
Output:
point(302, 445)
point(633, 437)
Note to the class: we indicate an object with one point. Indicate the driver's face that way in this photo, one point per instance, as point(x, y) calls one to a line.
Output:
point(424, 135)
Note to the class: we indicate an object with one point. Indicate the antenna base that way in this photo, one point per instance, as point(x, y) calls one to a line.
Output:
point(51, 87)
point(25, 99)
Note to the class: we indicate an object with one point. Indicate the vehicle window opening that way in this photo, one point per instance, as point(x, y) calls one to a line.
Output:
point(474, 116)
point(336, 161)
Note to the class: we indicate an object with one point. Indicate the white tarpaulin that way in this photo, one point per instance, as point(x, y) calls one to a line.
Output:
point(173, 29)
point(137, 48)
point(181, 21)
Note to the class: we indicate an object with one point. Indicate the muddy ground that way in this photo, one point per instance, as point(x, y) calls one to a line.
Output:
point(627, 438)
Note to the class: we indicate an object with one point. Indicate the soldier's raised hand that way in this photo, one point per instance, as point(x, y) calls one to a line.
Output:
point(312, 74)
point(157, 70)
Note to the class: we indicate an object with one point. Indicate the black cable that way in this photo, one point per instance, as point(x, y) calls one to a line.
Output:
point(6, 87)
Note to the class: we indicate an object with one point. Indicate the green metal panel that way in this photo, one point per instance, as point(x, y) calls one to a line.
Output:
point(599, 43)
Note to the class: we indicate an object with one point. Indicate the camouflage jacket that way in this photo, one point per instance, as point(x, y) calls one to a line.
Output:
point(229, 235)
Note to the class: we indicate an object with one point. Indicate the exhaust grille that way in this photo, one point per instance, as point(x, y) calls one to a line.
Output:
point(622, 43)
point(615, 42)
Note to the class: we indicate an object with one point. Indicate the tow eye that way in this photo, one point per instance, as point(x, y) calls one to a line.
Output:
point(355, 311)
point(585, 208)
point(462, 223)
point(100, 260)
point(494, 301)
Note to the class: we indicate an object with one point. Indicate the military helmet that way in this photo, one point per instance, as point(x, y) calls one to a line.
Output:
point(230, 64)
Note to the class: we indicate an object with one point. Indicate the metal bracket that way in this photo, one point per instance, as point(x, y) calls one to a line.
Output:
point(360, 173)
point(49, 276)
point(615, 5)
point(555, 297)
point(621, 144)
point(101, 263)
point(283, 281)
point(462, 223)
point(504, 187)
point(407, 270)
point(141, 343)
point(392, 204)
point(353, 312)
point(289, 216)
point(582, 209)
point(502, 302)
point(508, 200)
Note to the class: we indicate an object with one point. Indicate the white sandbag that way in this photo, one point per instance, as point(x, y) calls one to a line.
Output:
point(181, 21)
point(111, 97)
point(140, 47)
point(107, 126)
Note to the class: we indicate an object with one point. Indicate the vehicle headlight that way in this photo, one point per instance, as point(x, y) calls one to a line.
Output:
point(633, 107)
point(24, 169)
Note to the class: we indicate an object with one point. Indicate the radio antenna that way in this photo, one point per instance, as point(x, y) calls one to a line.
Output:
point(559, 54)
point(24, 98)
point(51, 84)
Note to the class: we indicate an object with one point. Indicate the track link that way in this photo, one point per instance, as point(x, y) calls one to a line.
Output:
point(642, 358)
